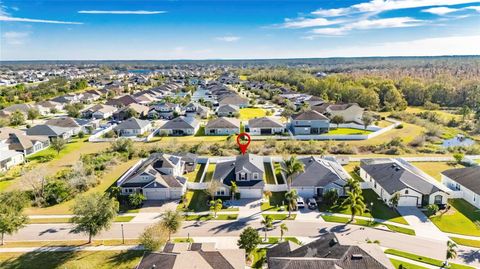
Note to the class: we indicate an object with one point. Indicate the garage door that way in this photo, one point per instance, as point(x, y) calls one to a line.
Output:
point(250, 193)
point(407, 201)
point(265, 131)
point(305, 192)
point(156, 194)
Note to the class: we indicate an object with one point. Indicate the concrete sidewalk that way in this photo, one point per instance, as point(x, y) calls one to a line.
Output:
point(421, 224)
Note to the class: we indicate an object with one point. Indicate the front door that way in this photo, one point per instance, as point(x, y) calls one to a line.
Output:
point(425, 199)
point(319, 192)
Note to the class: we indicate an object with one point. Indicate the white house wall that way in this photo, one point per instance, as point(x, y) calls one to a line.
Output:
point(464, 192)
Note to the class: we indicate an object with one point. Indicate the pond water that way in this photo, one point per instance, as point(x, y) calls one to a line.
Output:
point(458, 141)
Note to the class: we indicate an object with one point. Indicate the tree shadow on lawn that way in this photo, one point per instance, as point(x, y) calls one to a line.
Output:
point(38, 260)
point(125, 257)
point(469, 256)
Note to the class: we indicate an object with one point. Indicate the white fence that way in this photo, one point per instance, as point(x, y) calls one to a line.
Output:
point(455, 194)
point(97, 136)
point(197, 186)
point(372, 128)
point(129, 172)
point(365, 185)
point(275, 187)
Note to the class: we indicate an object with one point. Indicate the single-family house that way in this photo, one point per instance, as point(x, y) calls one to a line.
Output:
point(328, 251)
point(265, 126)
point(17, 140)
point(126, 112)
point(50, 131)
point(320, 175)
point(309, 122)
point(234, 99)
point(351, 112)
point(222, 126)
point(247, 171)
point(196, 110)
point(193, 255)
point(133, 127)
point(158, 178)
point(121, 101)
point(227, 110)
point(390, 176)
point(46, 107)
point(9, 158)
point(164, 111)
point(181, 126)
point(99, 111)
point(465, 182)
point(66, 122)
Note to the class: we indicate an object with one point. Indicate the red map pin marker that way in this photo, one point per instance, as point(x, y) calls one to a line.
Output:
point(241, 142)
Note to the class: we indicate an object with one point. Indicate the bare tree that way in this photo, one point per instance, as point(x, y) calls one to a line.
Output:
point(212, 188)
point(79, 177)
point(36, 180)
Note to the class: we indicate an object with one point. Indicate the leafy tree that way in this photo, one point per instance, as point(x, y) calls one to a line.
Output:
point(267, 223)
point(465, 111)
point(458, 157)
point(216, 206)
point(249, 240)
point(451, 251)
point(131, 113)
point(291, 197)
point(353, 185)
point(367, 119)
point(72, 110)
point(355, 203)
point(58, 144)
point(291, 167)
point(283, 229)
point(94, 213)
point(57, 191)
point(135, 200)
point(394, 200)
point(153, 237)
point(12, 217)
point(331, 197)
point(212, 188)
point(17, 118)
point(337, 119)
point(33, 114)
point(122, 145)
point(171, 220)
point(233, 190)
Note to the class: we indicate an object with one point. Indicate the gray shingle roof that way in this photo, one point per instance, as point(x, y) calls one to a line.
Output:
point(181, 123)
point(228, 108)
point(319, 173)
point(133, 123)
point(265, 122)
point(65, 122)
point(223, 123)
point(47, 130)
point(309, 115)
point(468, 177)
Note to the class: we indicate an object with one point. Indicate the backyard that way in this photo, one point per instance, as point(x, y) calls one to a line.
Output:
point(269, 177)
point(462, 218)
point(434, 169)
point(347, 131)
point(275, 203)
point(251, 113)
point(195, 175)
point(209, 173)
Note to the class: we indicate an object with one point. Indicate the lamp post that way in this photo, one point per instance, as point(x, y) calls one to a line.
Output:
point(371, 212)
point(123, 236)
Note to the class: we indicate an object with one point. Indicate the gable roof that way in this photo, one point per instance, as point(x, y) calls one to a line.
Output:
point(122, 101)
point(233, 100)
point(327, 252)
point(469, 177)
point(65, 122)
point(47, 130)
point(181, 123)
point(250, 162)
point(309, 115)
point(223, 123)
point(228, 108)
point(132, 123)
point(394, 176)
point(225, 171)
point(320, 172)
point(265, 122)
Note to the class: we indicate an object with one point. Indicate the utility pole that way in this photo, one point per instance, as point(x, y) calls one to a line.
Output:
point(123, 236)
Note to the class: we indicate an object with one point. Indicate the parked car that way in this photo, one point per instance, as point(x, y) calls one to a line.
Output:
point(300, 202)
point(311, 203)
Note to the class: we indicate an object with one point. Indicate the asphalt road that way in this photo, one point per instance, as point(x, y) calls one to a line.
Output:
point(422, 246)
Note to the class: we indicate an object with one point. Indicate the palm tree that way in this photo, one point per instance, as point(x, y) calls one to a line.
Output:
point(233, 189)
point(355, 203)
point(291, 168)
point(267, 224)
point(171, 220)
point(353, 185)
point(291, 197)
point(451, 251)
point(283, 229)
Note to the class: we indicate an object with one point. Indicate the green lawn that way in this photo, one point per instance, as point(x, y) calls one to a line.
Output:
point(460, 219)
point(367, 223)
point(379, 210)
point(196, 174)
point(206, 217)
point(347, 131)
point(275, 202)
point(435, 168)
point(280, 216)
point(399, 229)
point(182, 240)
point(424, 259)
point(405, 265)
point(251, 113)
point(269, 178)
point(68, 220)
point(60, 243)
point(466, 242)
point(197, 202)
point(278, 174)
point(71, 260)
point(259, 256)
point(209, 173)
point(276, 240)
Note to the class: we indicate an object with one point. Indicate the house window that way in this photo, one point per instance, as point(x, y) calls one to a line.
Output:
point(457, 187)
point(243, 176)
point(438, 199)
point(406, 191)
point(221, 192)
point(255, 175)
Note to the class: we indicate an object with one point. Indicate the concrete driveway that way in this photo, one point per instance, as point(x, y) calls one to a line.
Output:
point(421, 224)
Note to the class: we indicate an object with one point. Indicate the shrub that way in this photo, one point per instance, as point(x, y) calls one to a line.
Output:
point(432, 209)
point(135, 200)
point(81, 134)
point(154, 237)
point(331, 197)
point(57, 191)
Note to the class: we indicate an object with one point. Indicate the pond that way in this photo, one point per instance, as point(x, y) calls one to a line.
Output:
point(458, 141)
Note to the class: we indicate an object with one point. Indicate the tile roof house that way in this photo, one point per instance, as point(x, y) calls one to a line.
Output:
point(265, 126)
point(465, 182)
point(329, 252)
point(17, 140)
point(227, 110)
point(222, 126)
point(158, 178)
point(319, 176)
point(309, 122)
point(247, 171)
point(181, 126)
point(389, 176)
point(133, 127)
point(194, 255)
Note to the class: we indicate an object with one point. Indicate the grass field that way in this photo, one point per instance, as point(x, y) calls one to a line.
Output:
point(196, 174)
point(207, 217)
point(460, 219)
point(281, 216)
point(209, 173)
point(251, 113)
point(347, 131)
point(405, 265)
point(367, 223)
point(107, 179)
point(466, 242)
point(269, 178)
point(276, 240)
point(71, 260)
point(424, 259)
point(445, 115)
point(435, 168)
point(60, 243)
point(276, 201)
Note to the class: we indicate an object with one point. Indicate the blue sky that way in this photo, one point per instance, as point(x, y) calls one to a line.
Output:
point(236, 29)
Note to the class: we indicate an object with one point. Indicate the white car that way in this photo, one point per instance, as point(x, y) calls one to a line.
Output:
point(300, 202)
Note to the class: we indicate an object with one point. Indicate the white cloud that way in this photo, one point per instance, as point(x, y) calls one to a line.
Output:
point(476, 8)
point(228, 38)
point(328, 31)
point(334, 12)
point(440, 10)
point(122, 12)
point(308, 22)
point(16, 38)
point(384, 5)
point(14, 19)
